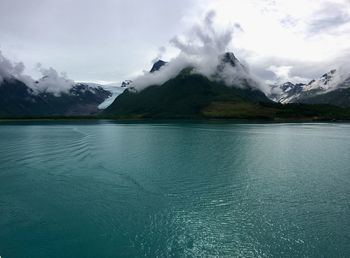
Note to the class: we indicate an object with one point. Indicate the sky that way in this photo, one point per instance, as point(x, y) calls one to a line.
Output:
point(109, 41)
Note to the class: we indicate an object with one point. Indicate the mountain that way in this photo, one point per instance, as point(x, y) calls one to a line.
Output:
point(339, 97)
point(157, 65)
point(229, 58)
point(125, 83)
point(286, 92)
point(190, 95)
point(17, 99)
point(327, 82)
point(116, 91)
point(81, 99)
point(332, 88)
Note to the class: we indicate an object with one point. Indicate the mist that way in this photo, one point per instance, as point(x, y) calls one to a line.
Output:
point(51, 81)
point(201, 48)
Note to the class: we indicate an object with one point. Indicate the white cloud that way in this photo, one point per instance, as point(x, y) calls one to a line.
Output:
point(201, 48)
point(283, 74)
point(111, 40)
point(50, 80)
point(285, 30)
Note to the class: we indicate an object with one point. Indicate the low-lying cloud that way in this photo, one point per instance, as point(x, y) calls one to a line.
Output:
point(285, 70)
point(12, 70)
point(51, 81)
point(201, 49)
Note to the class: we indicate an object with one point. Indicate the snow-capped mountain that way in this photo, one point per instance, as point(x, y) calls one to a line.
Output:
point(316, 91)
point(18, 99)
point(286, 92)
point(329, 81)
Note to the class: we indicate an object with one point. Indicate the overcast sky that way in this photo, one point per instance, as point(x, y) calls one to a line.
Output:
point(114, 40)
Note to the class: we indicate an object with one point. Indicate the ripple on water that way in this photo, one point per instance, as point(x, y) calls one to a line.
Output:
point(174, 190)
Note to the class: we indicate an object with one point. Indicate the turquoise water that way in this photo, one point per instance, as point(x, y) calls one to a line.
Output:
point(102, 189)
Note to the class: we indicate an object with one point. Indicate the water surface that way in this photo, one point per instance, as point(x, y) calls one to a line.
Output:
point(103, 189)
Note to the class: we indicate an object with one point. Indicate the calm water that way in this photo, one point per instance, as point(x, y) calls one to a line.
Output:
point(174, 190)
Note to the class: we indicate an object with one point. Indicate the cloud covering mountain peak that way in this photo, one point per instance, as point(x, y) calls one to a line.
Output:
point(204, 48)
point(51, 81)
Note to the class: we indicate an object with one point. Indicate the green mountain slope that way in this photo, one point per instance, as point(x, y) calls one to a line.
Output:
point(17, 99)
point(339, 97)
point(187, 95)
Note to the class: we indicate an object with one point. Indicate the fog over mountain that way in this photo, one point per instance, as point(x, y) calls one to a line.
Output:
point(53, 94)
point(50, 81)
point(203, 48)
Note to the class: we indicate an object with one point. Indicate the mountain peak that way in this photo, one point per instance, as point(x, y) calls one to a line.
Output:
point(328, 76)
point(229, 58)
point(126, 83)
point(326, 82)
point(157, 65)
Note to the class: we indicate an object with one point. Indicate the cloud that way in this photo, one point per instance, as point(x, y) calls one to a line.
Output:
point(284, 70)
point(239, 27)
point(160, 54)
point(284, 74)
point(289, 22)
point(12, 70)
point(201, 48)
point(330, 17)
point(8, 69)
point(280, 70)
point(51, 81)
point(122, 35)
point(168, 71)
point(204, 44)
point(119, 35)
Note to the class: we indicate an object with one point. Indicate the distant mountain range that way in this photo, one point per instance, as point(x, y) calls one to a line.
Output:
point(189, 94)
point(192, 95)
point(18, 99)
point(332, 88)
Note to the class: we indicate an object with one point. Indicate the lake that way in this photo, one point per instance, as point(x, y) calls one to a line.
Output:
point(177, 189)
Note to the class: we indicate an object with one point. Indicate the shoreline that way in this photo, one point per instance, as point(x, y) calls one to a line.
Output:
point(167, 120)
